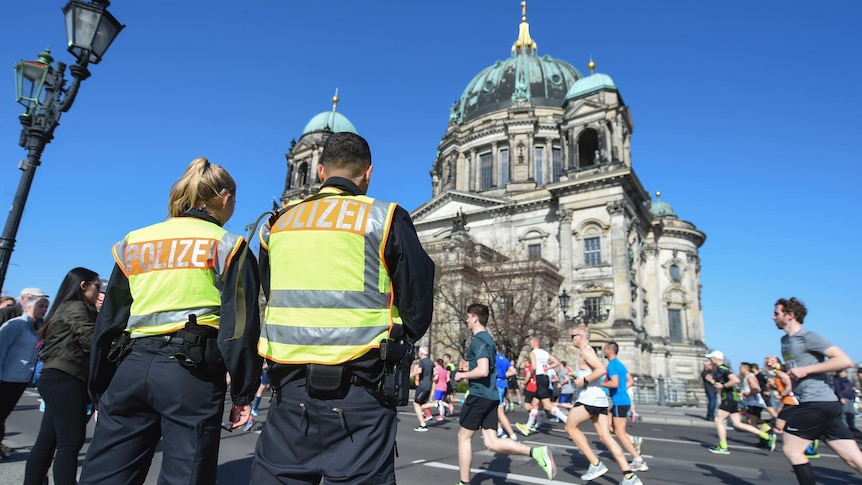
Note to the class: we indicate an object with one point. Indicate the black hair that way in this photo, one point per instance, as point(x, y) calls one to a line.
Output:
point(70, 289)
point(346, 151)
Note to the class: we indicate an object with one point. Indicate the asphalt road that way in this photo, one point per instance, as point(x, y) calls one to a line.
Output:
point(675, 454)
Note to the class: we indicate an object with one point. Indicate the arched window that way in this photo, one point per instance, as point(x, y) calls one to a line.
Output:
point(674, 273)
point(302, 175)
point(588, 145)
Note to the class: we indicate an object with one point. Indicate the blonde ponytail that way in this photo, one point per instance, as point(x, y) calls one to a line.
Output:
point(201, 183)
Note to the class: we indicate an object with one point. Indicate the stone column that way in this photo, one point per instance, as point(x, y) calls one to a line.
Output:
point(620, 263)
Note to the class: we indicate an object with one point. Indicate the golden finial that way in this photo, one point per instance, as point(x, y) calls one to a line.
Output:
point(335, 99)
point(591, 65)
point(524, 41)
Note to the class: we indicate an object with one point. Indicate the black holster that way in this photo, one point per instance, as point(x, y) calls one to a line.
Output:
point(397, 356)
point(120, 347)
point(199, 349)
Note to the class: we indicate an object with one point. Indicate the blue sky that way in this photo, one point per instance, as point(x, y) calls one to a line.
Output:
point(745, 120)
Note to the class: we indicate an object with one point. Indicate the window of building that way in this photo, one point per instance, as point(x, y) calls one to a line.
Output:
point(487, 170)
point(540, 163)
point(674, 273)
point(674, 323)
point(557, 159)
point(534, 251)
point(588, 147)
point(593, 307)
point(592, 251)
point(507, 304)
point(302, 175)
point(504, 167)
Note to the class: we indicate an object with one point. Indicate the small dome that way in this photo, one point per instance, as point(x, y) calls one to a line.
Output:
point(329, 121)
point(661, 209)
point(589, 85)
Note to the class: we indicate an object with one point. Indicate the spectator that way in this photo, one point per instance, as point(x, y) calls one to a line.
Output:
point(68, 333)
point(17, 309)
point(709, 388)
point(846, 395)
point(18, 351)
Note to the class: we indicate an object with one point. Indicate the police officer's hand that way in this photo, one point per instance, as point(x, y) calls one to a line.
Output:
point(239, 415)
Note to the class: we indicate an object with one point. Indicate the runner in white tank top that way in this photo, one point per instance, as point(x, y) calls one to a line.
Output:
point(592, 405)
point(593, 394)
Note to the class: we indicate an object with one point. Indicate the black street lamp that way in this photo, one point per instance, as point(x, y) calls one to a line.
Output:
point(590, 312)
point(90, 30)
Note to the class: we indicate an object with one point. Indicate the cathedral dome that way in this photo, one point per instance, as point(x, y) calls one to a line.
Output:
point(590, 84)
point(661, 209)
point(329, 121)
point(524, 77)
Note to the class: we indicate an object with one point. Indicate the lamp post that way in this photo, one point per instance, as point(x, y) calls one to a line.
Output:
point(90, 30)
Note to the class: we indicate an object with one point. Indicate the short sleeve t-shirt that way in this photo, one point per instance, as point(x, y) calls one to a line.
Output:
point(483, 346)
point(806, 348)
point(619, 396)
point(503, 365)
point(721, 375)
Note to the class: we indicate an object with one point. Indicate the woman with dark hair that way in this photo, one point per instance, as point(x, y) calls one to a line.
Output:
point(68, 332)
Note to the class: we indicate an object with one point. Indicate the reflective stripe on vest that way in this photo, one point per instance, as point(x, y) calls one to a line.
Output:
point(331, 300)
point(173, 276)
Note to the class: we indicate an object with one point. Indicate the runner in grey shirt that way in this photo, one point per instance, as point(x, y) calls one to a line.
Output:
point(808, 357)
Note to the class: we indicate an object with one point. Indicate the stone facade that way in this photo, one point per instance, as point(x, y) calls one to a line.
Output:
point(549, 184)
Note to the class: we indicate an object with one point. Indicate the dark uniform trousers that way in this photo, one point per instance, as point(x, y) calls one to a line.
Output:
point(152, 396)
point(349, 441)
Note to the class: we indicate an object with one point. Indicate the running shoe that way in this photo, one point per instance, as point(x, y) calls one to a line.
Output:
point(247, 426)
point(772, 439)
point(811, 455)
point(6, 449)
point(639, 465)
point(254, 411)
point(522, 428)
point(634, 480)
point(815, 445)
point(545, 459)
point(440, 417)
point(718, 450)
point(765, 427)
point(500, 433)
point(594, 471)
point(638, 443)
point(421, 429)
point(514, 438)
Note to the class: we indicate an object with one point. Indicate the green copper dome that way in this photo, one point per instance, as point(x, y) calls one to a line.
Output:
point(589, 85)
point(524, 77)
point(661, 209)
point(329, 121)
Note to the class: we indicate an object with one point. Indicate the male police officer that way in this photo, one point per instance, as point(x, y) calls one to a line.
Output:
point(341, 272)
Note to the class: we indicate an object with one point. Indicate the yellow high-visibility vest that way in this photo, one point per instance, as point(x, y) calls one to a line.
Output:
point(175, 268)
point(331, 298)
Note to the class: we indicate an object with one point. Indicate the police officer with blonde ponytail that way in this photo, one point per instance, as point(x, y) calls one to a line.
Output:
point(349, 290)
point(180, 310)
